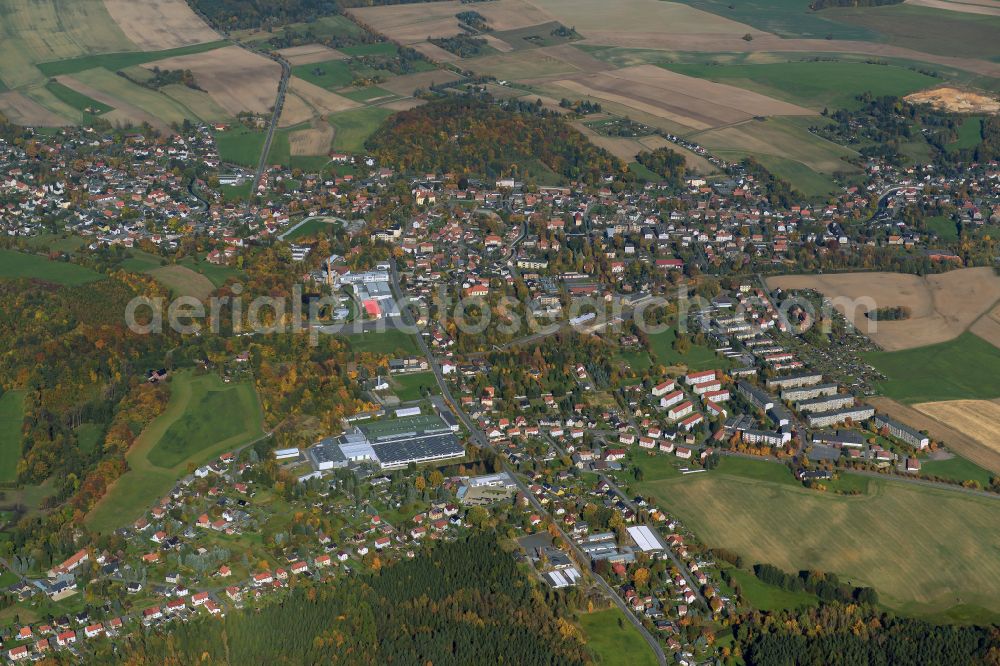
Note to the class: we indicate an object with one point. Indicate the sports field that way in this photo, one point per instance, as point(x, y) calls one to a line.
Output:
point(944, 545)
point(204, 419)
point(20, 265)
point(11, 418)
point(612, 644)
point(816, 84)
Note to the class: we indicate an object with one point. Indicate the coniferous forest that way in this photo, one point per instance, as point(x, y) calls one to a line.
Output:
point(458, 603)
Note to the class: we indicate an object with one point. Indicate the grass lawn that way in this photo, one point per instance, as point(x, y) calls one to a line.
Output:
point(815, 84)
point(392, 342)
point(970, 133)
point(58, 242)
point(88, 436)
point(943, 227)
point(317, 226)
point(656, 466)
point(642, 173)
point(376, 49)
point(330, 74)
point(810, 183)
point(115, 61)
point(20, 265)
point(77, 100)
point(309, 163)
point(368, 93)
point(407, 387)
point(11, 420)
point(204, 419)
point(614, 644)
point(966, 367)
point(941, 561)
point(240, 145)
point(217, 274)
point(766, 597)
point(352, 128)
point(956, 468)
point(697, 357)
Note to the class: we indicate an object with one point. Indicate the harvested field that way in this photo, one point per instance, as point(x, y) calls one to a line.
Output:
point(710, 43)
point(307, 54)
point(323, 101)
point(942, 306)
point(155, 25)
point(988, 327)
point(413, 23)
point(624, 148)
point(143, 105)
point(183, 281)
point(785, 139)
point(402, 104)
point(955, 101)
point(235, 78)
point(661, 18)
point(433, 52)
point(313, 141)
point(693, 102)
point(697, 163)
point(497, 43)
point(294, 111)
point(21, 109)
point(953, 425)
point(987, 7)
point(532, 64)
point(406, 84)
point(35, 31)
point(198, 102)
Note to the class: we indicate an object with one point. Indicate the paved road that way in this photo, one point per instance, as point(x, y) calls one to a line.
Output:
point(481, 441)
point(286, 73)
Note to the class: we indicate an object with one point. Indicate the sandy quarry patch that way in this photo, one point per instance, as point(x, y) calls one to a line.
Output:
point(411, 23)
point(235, 78)
point(942, 306)
point(155, 25)
point(406, 84)
point(986, 7)
point(696, 103)
point(320, 99)
point(22, 110)
point(307, 54)
point(313, 141)
point(956, 101)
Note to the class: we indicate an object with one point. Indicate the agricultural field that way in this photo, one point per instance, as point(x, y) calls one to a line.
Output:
point(813, 84)
point(78, 101)
point(20, 265)
point(204, 419)
point(352, 128)
point(11, 418)
point(966, 367)
point(970, 133)
point(613, 643)
point(978, 419)
point(689, 101)
point(186, 278)
point(947, 566)
point(942, 306)
point(183, 281)
point(240, 145)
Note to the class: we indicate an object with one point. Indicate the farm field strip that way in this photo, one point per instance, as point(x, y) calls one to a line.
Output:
point(11, 420)
point(942, 560)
